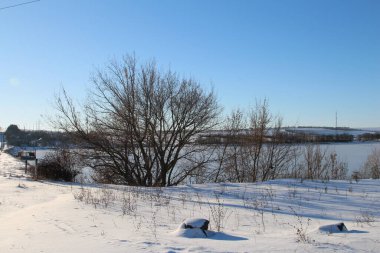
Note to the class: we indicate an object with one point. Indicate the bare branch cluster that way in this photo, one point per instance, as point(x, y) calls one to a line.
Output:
point(253, 148)
point(138, 123)
point(371, 167)
point(320, 163)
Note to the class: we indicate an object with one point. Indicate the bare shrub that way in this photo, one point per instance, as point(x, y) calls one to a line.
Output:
point(321, 164)
point(62, 164)
point(102, 197)
point(371, 168)
point(128, 203)
point(313, 157)
point(106, 197)
point(253, 147)
point(301, 227)
point(365, 217)
point(218, 212)
point(335, 169)
point(84, 195)
point(260, 203)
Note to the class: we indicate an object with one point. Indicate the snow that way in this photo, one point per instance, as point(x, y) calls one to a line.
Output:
point(193, 233)
point(276, 216)
point(195, 222)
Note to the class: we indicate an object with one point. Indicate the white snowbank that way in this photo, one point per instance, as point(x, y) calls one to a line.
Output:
point(193, 233)
point(263, 217)
point(333, 228)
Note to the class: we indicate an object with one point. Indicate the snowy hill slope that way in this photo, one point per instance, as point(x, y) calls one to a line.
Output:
point(276, 216)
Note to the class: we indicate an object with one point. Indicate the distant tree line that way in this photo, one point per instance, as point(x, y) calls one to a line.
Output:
point(245, 136)
point(369, 137)
point(17, 137)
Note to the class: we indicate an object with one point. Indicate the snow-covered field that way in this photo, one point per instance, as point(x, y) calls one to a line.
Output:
point(276, 216)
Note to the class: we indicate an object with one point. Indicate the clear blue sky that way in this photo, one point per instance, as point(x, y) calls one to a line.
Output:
point(308, 58)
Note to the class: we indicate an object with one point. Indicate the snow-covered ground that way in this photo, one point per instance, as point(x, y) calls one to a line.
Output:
point(276, 216)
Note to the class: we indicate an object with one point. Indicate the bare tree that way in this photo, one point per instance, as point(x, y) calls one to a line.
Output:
point(371, 168)
point(277, 155)
point(234, 155)
point(255, 147)
point(140, 124)
point(313, 157)
point(319, 163)
point(259, 120)
point(336, 169)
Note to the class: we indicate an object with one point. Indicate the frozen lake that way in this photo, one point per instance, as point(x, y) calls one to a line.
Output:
point(354, 154)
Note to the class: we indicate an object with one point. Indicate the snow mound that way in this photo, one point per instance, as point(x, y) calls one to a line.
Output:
point(193, 233)
point(198, 228)
point(211, 235)
point(334, 228)
point(194, 228)
point(195, 223)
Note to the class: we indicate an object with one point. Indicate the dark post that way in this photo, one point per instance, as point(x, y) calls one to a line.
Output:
point(36, 169)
